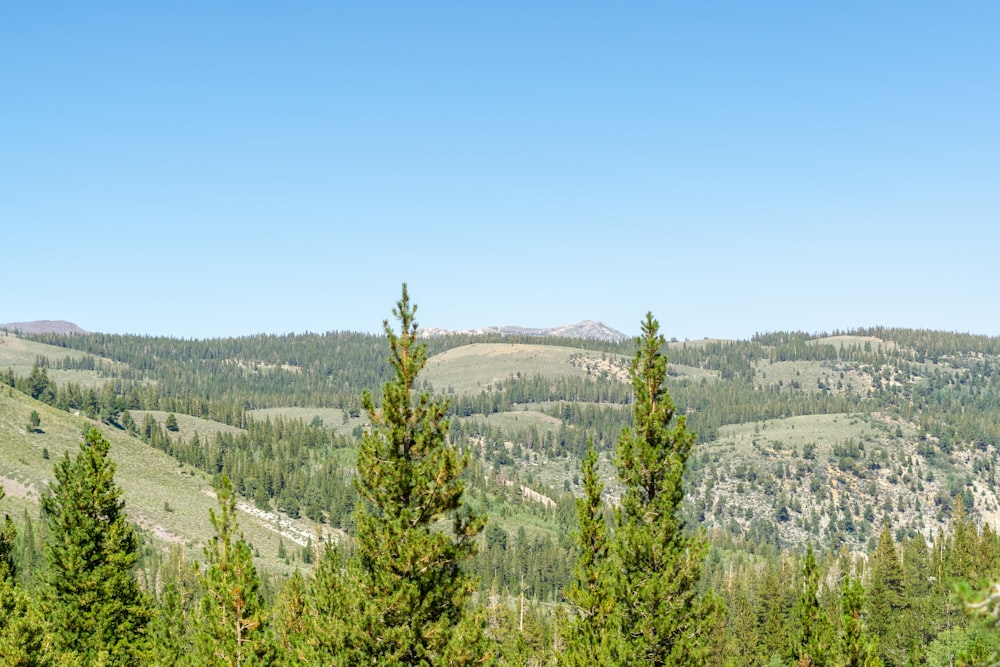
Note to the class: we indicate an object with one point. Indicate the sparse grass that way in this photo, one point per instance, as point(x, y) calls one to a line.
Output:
point(333, 418)
point(847, 342)
point(20, 355)
point(151, 480)
point(473, 368)
point(519, 420)
point(186, 424)
point(702, 342)
point(692, 372)
point(803, 374)
point(823, 431)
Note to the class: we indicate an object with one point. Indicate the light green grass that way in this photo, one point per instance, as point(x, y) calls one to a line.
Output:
point(333, 418)
point(680, 344)
point(20, 355)
point(823, 431)
point(518, 420)
point(187, 425)
point(807, 374)
point(151, 481)
point(473, 368)
point(847, 342)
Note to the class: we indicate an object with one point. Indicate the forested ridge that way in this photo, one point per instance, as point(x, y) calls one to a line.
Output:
point(843, 485)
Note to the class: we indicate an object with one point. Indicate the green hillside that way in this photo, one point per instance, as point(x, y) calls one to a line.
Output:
point(169, 501)
point(801, 438)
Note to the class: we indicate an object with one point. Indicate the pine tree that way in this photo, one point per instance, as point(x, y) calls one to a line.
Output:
point(231, 614)
point(334, 610)
point(920, 622)
point(856, 647)
point(812, 634)
point(590, 637)
point(8, 534)
point(171, 630)
point(21, 636)
point(92, 600)
point(664, 618)
point(408, 479)
point(291, 622)
point(888, 602)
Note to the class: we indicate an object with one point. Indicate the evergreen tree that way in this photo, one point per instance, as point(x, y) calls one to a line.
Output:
point(291, 622)
point(96, 610)
point(887, 600)
point(38, 385)
point(408, 479)
point(21, 636)
point(920, 620)
point(171, 423)
point(590, 639)
point(664, 619)
point(8, 534)
point(231, 614)
point(856, 647)
point(812, 636)
point(171, 631)
point(334, 611)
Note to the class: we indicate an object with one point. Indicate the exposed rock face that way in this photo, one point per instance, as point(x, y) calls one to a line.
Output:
point(588, 329)
point(44, 326)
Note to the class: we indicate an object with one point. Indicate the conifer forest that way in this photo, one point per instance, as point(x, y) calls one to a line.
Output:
point(500, 499)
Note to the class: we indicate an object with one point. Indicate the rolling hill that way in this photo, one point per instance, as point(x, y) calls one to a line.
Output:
point(802, 437)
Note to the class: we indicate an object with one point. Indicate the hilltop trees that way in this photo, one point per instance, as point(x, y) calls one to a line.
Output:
point(415, 592)
point(96, 610)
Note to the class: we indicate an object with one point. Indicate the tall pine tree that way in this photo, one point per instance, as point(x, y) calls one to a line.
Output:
point(230, 628)
point(96, 610)
point(416, 609)
point(887, 600)
point(663, 616)
point(812, 634)
point(857, 647)
point(591, 639)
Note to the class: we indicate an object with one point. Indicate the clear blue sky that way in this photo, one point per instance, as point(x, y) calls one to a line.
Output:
point(208, 169)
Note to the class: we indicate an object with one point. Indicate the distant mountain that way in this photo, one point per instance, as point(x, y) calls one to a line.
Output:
point(44, 326)
point(587, 329)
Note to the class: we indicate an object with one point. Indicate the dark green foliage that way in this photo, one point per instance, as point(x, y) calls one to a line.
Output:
point(34, 421)
point(171, 423)
point(38, 385)
point(888, 601)
point(664, 618)
point(92, 600)
point(416, 594)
